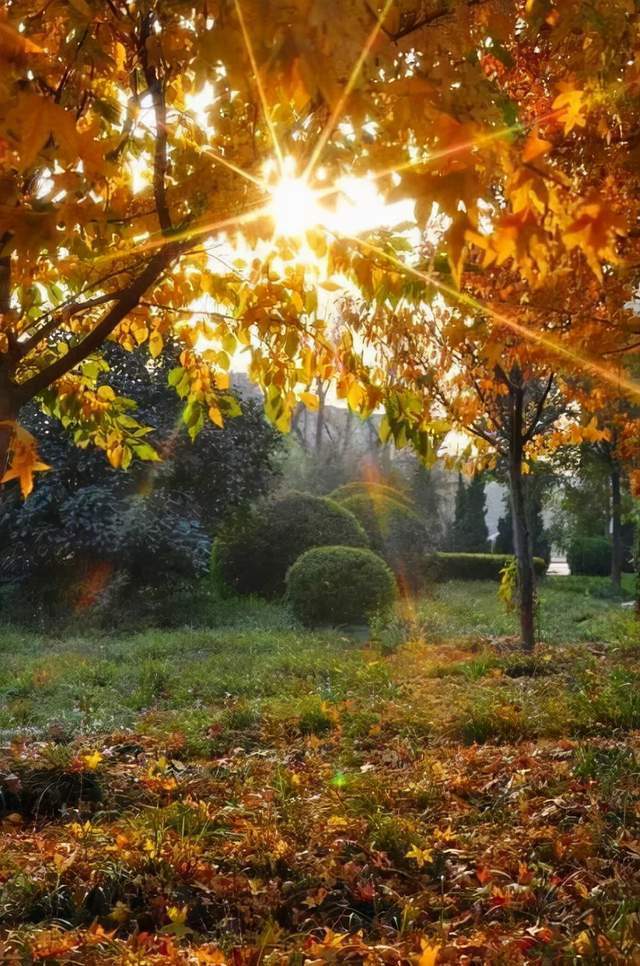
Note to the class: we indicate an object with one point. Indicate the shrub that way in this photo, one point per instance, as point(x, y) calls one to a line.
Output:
point(396, 533)
point(477, 566)
point(589, 556)
point(373, 490)
point(252, 555)
point(339, 585)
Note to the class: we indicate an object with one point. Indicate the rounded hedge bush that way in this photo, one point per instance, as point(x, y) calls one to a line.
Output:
point(252, 554)
point(339, 585)
point(373, 490)
point(589, 556)
point(396, 533)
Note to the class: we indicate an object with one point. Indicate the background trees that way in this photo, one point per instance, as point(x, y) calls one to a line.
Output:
point(469, 532)
point(91, 536)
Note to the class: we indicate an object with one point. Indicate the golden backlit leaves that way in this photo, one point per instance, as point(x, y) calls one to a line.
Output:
point(503, 148)
point(571, 106)
point(594, 231)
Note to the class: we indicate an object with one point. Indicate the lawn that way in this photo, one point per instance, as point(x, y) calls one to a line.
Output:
point(252, 791)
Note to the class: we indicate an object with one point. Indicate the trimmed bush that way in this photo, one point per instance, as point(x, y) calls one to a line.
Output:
point(252, 554)
point(339, 585)
point(478, 566)
point(373, 490)
point(589, 556)
point(396, 533)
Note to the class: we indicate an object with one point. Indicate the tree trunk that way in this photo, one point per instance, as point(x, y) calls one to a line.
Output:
point(617, 549)
point(524, 557)
point(521, 535)
point(322, 392)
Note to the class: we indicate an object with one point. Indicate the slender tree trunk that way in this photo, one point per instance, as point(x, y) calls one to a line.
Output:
point(320, 417)
point(617, 549)
point(521, 535)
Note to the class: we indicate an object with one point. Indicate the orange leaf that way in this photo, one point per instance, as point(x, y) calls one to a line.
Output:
point(535, 147)
point(24, 459)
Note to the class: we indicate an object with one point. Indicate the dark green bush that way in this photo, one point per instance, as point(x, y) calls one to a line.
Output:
point(372, 489)
point(589, 556)
point(252, 554)
point(477, 566)
point(396, 533)
point(339, 585)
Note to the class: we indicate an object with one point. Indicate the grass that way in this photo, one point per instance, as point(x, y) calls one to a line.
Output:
point(571, 610)
point(258, 791)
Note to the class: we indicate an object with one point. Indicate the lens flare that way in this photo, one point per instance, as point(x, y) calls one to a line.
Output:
point(294, 207)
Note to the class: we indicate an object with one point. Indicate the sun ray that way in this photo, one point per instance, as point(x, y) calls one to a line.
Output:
point(519, 127)
point(587, 363)
point(330, 126)
point(259, 182)
point(261, 91)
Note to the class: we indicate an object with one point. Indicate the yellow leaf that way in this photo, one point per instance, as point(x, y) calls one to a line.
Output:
point(24, 460)
point(139, 330)
point(216, 416)
point(223, 380)
point(570, 106)
point(92, 760)
point(156, 344)
point(310, 400)
point(356, 395)
point(429, 954)
point(421, 856)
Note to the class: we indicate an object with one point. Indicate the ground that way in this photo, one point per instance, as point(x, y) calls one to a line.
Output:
point(253, 792)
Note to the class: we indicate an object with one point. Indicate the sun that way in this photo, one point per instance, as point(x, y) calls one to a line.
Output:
point(294, 206)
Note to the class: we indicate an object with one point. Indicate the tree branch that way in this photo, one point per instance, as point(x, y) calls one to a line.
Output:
point(160, 160)
point(530, 432)
point(128, 300)
point(29, 344)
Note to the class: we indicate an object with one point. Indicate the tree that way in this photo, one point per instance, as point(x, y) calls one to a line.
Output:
point(89, 525)
point(542, 263)
point(469, 532)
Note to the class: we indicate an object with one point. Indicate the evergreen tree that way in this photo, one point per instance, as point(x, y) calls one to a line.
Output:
point(469, 532)
point(427, 503)
point(456, 537)
point(476, 533)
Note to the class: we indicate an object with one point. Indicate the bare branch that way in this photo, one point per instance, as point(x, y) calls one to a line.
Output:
point(533, 427)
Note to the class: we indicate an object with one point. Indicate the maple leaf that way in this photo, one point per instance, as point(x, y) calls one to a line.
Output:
point(570, 105)
point(420, 856)
point(92, 760)
point(594, 231)
point(24, 459)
